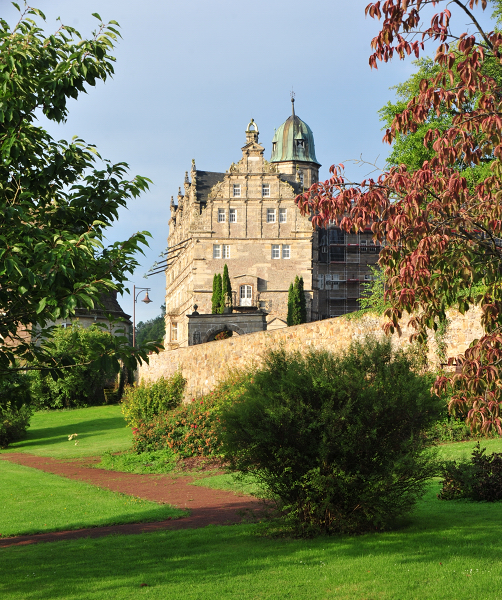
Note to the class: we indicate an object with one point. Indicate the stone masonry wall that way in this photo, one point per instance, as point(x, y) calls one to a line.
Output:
point(207, 364)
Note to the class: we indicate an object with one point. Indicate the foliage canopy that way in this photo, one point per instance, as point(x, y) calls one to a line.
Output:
point(56, 198)
point(442, 230)
point(337, 439)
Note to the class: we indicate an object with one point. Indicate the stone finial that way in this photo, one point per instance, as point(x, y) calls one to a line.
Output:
point(187, 180)
point(252, 132)
point(193, 165)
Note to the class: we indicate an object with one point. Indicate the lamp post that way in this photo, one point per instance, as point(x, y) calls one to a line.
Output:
point(146, 300)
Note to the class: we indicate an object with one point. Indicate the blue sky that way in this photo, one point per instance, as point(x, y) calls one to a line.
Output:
point(190, 75)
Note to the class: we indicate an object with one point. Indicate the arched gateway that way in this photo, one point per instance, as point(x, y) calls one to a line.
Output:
point(204, 328)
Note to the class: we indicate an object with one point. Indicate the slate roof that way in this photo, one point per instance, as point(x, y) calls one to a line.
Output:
point(110, 306)
point(205, 181)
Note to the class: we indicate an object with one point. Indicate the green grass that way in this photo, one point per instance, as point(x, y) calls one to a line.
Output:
point(159, 461)
point(32, 501)
point(99, 428)
point(446, 550)
point(228, 481)
point(459, 450)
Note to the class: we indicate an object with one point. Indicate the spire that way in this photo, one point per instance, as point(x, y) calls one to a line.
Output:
point(293, 102)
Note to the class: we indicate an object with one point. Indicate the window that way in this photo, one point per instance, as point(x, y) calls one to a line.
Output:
point(276, 251)
point(270, 215)
point(237, 190)
point(221, 215)
point(265, 190)
point(174, 332)
point(286, 251)
point(245, 295)
point(300, 143)
point(221, 251)
point(274, 146)
point(300, 174)
point(367, 277)
point(283, 215)
point(232, 215)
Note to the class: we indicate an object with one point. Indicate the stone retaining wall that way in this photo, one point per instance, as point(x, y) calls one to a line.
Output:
point(207, 364)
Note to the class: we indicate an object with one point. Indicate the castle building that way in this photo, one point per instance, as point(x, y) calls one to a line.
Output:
point(247, 219)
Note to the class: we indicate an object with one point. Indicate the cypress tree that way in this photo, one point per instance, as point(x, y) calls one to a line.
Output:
point(289, 319)
point(302, 301)
point(226, 289)
point(295, 305)
point(216, 297)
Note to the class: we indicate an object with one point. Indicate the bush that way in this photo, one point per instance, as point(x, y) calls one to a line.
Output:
point(191, 429)
point(79, 385)
point(15, 409)
point(141, 404)
point(449, 429)
point(479, 478)
point(336, 439)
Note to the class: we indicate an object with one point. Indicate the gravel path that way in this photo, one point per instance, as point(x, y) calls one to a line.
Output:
point(207, 506)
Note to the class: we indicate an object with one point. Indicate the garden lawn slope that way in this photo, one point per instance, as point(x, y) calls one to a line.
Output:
point(445, 551)
point(98, 429)
point(32, 502)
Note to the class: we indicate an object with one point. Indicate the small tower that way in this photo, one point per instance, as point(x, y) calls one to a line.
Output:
point(293, 150)
point(252, 132)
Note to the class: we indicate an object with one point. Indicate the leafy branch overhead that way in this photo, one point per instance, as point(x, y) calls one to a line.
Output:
point(56, 197)
point(442, 229)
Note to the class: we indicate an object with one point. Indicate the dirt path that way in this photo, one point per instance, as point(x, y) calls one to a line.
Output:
point(207, 506)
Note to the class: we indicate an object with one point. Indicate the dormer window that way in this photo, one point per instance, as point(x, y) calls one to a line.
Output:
point(300, 143)
point(237, 190)
point(274, 146)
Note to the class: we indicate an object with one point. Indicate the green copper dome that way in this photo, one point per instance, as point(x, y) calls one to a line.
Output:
point(293, 140)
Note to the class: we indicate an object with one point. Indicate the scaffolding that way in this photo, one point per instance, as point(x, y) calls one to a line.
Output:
point(343, 266)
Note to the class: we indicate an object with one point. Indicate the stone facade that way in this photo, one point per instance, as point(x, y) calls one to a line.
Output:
point(204, 328)
point(207, 364)
point(247, 218)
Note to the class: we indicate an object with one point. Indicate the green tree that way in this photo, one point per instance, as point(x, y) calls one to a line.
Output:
point(216, 297)
point(152, 330)
point(297, 304)
point(226, 290)
point(83, 383)
point(56, 198)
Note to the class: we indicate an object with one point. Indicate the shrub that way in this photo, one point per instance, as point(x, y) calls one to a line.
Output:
point(79, 385)
point(479, 478)
point(449, 429)
point(336, 439)
point(15, 408)
point(142, 403)
point(191, 429)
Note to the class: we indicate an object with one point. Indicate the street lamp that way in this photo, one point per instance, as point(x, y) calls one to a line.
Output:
point(146, 300)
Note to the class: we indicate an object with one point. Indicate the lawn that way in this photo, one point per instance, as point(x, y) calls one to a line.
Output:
point(99, 428)
point(32, 501)
point(447, 551)
point(444, 550)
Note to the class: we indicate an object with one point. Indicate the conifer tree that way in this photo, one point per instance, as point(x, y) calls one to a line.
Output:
point(226, 289)
point(297, 305)
point(216, 297)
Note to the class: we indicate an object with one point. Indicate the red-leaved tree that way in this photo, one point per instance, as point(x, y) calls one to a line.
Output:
point(441, 236)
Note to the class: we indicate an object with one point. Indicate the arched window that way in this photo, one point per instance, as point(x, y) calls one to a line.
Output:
point(245, 295)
